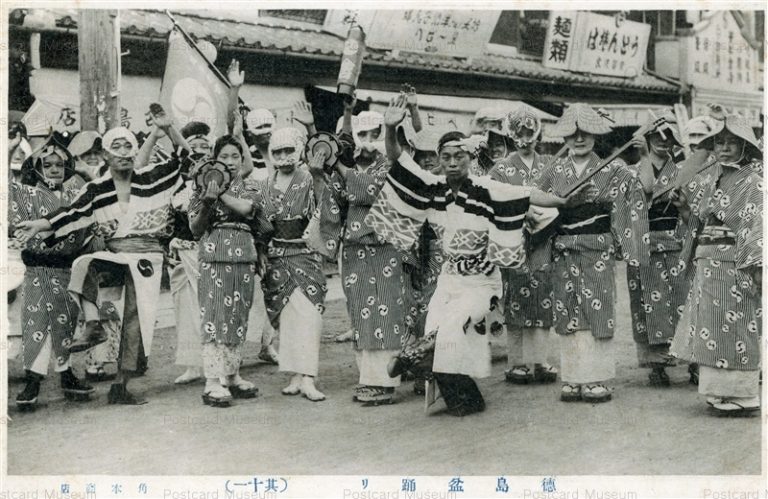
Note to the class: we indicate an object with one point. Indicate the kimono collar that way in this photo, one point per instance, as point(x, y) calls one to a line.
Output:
point(592, 160)
point(736, 165)
point(518, 158)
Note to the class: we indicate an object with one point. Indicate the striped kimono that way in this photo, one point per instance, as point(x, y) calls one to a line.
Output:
point(49, 314)
point(657, 292)
point(294, 283)
point(480, 229)
point(587, 238)
point(722, 320)
point(372, 270)
point(527, 301)
point(291, 263)
point(227, 259)
point(131, 234)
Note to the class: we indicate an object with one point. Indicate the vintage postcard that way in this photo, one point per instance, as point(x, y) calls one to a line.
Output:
point(368, 250)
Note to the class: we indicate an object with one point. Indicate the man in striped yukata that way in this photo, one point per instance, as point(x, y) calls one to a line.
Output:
point(130, 209)
point(480, 223)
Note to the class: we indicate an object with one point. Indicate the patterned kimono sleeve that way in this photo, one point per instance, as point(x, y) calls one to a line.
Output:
point(629, 215)
point(195, 207)
point(240, 191)
point(76, 217)
point(331, 215)
point(543, 180)
point(17, 211)
point(539, 244)
point(403, 203)
point(695, 190)
point(498, 174)
point(745, 215)
point(261, 226)
point(363, 187)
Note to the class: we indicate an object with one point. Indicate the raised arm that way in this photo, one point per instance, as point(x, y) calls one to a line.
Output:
point(237, 132)
point(163, 126)
point(393, 116)
point(319, 180)
point(236, 79)
point(413, 107)
point(346, 123)
point(302, 112)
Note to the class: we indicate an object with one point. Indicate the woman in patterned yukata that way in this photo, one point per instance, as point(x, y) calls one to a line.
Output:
point(722, 323)
point(372, 271)
point(130, 209)
point(583, 262)
point(527, 301)
point(227, 259)
point(49, 313)
point(294, 283)
point(657, 292)
point(480, 223)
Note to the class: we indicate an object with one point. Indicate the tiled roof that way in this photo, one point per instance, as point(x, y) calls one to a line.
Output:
point(303, 38)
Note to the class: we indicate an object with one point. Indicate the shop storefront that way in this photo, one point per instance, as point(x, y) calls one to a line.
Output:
point(287, 62)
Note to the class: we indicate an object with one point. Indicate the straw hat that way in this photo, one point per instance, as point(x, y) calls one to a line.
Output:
point(670, 126)
point(739, 126)
point(699, 128)
point(582, 117)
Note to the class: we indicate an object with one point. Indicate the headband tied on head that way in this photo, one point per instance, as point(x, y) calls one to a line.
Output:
point(120, 133)
point(284, 138)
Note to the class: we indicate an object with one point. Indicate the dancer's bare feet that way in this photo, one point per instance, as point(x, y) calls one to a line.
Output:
point(294, 387)
point(309, 390)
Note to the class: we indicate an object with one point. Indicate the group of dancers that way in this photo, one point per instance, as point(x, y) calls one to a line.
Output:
point(443, 239)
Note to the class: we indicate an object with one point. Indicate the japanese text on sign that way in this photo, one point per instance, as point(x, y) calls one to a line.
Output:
point(593, 43)
point(720, 57)
point(456, 33)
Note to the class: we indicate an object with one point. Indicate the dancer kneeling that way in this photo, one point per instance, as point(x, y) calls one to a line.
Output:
point(480, 222)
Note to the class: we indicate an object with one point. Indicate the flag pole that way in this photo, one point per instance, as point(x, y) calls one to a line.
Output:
point(197, 49)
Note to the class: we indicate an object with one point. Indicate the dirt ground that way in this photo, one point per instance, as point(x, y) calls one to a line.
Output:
point(525, 430)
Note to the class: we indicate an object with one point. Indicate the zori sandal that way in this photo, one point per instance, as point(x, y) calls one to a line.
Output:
point(570, 392)
point(595, 393)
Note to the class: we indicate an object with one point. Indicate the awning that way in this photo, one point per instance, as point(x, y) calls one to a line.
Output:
point(301, 39)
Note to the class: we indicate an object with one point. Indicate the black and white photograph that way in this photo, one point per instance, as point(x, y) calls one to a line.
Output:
point(410, 250)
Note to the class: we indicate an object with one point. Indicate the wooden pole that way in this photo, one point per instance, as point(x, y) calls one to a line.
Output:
point(98, 41)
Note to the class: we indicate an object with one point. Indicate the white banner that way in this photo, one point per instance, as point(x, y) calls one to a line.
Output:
point(594, 43)
point(462, 33)
point(720, 58)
